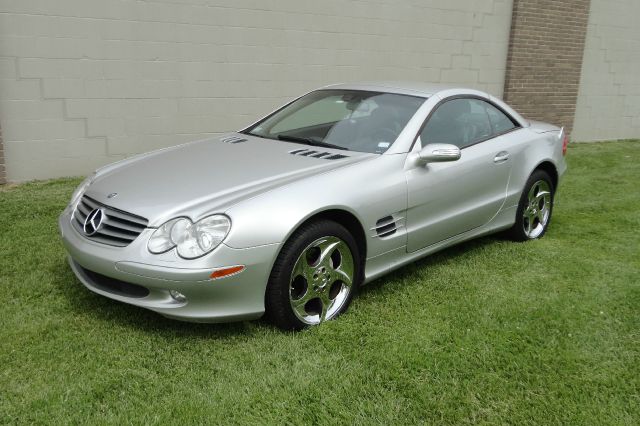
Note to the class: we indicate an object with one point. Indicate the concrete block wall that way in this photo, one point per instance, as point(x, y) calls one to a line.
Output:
point(608, 104)
point(3, 175)
point(87, 82)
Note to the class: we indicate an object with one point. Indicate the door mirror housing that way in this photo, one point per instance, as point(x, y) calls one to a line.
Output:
point(438, 153)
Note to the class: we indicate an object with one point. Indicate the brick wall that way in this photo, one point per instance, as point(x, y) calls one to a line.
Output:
point(545, 58)
point(87, 82)
point(609, 97)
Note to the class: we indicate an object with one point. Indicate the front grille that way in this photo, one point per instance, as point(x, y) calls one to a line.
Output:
point(118, 228)
point(113, 285)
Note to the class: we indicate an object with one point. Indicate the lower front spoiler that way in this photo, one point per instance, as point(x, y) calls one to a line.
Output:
point(234, 298)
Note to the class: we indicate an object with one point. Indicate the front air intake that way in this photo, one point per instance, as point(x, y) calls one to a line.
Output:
point(112, 285)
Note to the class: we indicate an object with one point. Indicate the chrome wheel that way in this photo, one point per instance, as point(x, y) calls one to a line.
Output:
point(537, 211)
point(321, 280)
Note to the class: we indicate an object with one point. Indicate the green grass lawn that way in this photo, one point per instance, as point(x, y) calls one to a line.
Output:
point(487, 332)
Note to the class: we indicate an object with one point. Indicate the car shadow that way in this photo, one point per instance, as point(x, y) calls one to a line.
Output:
point(85, 303)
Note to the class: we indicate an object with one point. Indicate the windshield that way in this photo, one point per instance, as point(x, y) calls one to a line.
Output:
point(354, 120)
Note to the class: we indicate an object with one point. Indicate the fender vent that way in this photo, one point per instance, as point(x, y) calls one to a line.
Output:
point(387, 226)
point(233, 139)
point(317, 154)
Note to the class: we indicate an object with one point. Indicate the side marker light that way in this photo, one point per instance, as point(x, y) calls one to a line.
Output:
point(225, 272)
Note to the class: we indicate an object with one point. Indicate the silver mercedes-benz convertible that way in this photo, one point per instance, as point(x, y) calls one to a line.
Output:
point(289, 216)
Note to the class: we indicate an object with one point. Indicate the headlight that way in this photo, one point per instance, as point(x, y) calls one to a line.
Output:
point(81, 188)
point(191, 239)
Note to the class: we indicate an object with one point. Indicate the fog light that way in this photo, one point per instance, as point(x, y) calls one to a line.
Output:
point(177, 296)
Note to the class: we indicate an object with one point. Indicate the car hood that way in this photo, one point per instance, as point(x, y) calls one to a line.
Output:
point(209, 176)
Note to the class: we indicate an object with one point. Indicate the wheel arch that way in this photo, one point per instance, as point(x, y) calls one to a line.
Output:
point(550, 168)
point(343, 217)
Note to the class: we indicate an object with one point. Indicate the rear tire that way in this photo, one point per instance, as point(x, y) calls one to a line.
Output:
point(534, 209)
point(314, 277)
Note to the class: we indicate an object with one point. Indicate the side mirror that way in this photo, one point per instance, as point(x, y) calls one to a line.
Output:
point(438, 152)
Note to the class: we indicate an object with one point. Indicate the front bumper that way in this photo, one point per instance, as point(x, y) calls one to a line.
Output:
point(232, 298)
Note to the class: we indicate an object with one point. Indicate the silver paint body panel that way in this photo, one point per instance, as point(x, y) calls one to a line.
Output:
point(267, 192)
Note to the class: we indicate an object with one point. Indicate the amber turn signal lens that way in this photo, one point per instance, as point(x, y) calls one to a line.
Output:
point(225, 272)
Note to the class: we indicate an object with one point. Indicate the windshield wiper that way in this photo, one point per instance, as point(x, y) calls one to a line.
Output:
point(309, 141)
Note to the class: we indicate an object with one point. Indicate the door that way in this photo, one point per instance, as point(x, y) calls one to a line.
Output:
point(447, 199)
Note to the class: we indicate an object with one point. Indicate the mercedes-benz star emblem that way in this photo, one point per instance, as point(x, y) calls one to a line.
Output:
point(93, 222)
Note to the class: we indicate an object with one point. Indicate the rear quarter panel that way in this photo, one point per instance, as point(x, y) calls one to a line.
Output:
point(530, 149)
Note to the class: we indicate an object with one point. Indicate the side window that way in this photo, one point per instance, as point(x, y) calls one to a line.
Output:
point(499, 120)
point(461, 122)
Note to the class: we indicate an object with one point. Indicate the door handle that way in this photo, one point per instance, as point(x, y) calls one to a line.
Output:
point(501, 157)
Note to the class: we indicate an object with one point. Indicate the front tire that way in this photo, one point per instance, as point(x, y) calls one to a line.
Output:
point(314, 277)
point(534, 209)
